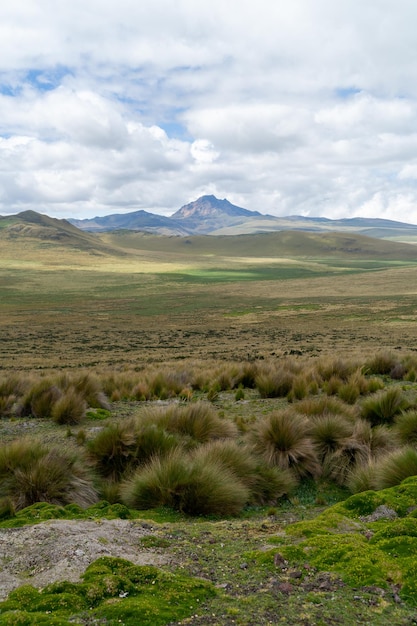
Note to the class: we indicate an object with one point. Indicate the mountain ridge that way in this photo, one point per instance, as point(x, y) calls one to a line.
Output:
point(209, 215)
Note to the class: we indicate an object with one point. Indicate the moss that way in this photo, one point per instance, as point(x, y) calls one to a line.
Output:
point(362, 552)
point(113, 590)
point(363, 503)
point(42, 511)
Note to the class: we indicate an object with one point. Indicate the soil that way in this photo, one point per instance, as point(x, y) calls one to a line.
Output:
point(62, 549)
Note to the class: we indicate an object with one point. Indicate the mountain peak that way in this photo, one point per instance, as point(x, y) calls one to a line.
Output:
point(210, 206)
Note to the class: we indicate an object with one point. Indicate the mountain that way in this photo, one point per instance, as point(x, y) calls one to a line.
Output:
point(210, 216)
point(136, 220)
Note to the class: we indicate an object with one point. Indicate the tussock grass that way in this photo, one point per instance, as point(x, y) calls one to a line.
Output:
point(405, 428)
point(274, 383)
point(194, 486)
point(113, 450)
point(395, 467)
point(283, 439)
point(326, 405)
point(40, 400)
point(379, 439)
point(32, 472)
point(339, 464)
point(328, 433)
point(361, 478)
point(70, 408)
point(383, 362)
point(382, 407)
point(199, 421)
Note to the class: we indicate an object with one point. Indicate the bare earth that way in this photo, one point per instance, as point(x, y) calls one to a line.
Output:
point(59, 550)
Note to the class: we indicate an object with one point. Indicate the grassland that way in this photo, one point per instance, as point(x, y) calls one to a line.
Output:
point(128, 305)
point(137, 298)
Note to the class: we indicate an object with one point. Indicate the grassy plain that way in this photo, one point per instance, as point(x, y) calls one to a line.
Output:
point(133, 300)
point(139, 298)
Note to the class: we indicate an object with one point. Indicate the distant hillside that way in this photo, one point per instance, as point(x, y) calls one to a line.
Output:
point(32, 226)
point(284, 244)
point(210, 216)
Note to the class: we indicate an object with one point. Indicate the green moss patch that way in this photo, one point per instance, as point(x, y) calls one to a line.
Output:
point(43, 511)
point(112, 591)
point(370, 539)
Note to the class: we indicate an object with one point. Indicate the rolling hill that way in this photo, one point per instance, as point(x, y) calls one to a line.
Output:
point(31, 233)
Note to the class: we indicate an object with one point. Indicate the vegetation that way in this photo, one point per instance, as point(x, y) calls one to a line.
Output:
point(253, 396)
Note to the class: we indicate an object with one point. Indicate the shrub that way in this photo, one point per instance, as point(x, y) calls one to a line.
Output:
point(282, 439)
point(30, 472)
point(382, 407)
point(70, 408)
point(394, 468)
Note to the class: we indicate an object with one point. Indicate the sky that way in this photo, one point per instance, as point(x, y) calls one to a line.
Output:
point(300, 107)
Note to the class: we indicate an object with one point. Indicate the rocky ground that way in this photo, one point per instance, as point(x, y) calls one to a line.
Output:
point(62, 549)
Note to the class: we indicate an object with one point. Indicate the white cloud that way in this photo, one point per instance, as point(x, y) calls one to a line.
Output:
point(284, 107)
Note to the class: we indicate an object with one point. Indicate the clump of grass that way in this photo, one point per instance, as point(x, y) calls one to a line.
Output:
point(325, 405)
point(382, 407)
point(271, 484)
point(300, 388)
point(395, 467)
point(88, 386)
point(70, 408)
point(335, 368)
point(339, 464)
point(198, 421)
point(193, 486)
point(382, 362)
point(283, 439)
point(41, 398)
point(113, 449)
point(328, 433)
point(405, 428)
point(361, 478)
point(31, 472)
point(274, 382)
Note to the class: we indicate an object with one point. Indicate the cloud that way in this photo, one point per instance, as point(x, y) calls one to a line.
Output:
point(281, 107)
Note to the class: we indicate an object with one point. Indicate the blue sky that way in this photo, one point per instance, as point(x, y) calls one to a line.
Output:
point(304, 107)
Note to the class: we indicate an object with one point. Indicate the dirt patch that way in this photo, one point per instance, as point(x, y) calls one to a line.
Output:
point(62, 549)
